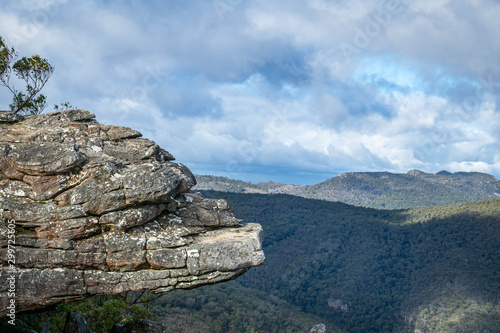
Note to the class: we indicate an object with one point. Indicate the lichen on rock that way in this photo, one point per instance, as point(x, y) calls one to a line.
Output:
point(100, 210)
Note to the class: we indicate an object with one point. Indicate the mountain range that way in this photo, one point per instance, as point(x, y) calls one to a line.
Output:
point(382, 190)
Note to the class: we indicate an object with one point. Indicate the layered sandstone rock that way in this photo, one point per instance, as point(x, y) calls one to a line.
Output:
point(99, 210)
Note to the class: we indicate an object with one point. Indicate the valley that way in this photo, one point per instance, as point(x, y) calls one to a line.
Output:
point(361, 269)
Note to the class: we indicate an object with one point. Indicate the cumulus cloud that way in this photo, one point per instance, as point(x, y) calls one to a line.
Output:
point(295, 91)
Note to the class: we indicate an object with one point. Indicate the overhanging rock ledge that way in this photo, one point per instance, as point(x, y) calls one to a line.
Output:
point(98, 209)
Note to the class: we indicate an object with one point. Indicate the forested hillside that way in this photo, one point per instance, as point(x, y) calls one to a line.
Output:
point(377, 189)
point(363, 270)
point(434, 269)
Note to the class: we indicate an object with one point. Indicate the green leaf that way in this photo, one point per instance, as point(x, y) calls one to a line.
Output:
point(35, 71)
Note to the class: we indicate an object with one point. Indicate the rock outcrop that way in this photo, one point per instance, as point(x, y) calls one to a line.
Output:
point(140, 325)
point(76, 324)
point(93, 209)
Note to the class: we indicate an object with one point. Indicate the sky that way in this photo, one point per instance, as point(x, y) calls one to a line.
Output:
point(291, 91)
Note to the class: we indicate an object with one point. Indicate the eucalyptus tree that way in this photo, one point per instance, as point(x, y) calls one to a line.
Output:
point(35, 71)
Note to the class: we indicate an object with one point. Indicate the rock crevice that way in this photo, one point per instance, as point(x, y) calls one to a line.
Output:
point(98, 209)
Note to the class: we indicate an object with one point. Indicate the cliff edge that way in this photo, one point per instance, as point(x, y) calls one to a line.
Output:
point(87, 209)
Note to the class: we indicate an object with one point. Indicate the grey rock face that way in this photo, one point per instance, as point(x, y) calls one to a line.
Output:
point(76, 324)
point(320, 328)
point(9, 117)
point(46, 327)
point(141, 325)
point(99, 210)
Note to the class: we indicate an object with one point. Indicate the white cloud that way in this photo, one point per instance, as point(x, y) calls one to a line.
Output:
point(34, 5)
point(470, 166)
point(267, 86)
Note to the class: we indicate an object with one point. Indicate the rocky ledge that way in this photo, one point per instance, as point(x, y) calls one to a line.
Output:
point(92, 209)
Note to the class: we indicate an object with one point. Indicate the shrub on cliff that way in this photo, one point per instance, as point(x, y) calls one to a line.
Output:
point(35, 71)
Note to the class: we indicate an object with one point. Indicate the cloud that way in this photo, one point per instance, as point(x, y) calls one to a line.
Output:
point(285, 89)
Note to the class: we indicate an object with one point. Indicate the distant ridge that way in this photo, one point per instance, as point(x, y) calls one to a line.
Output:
point(376, 189)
